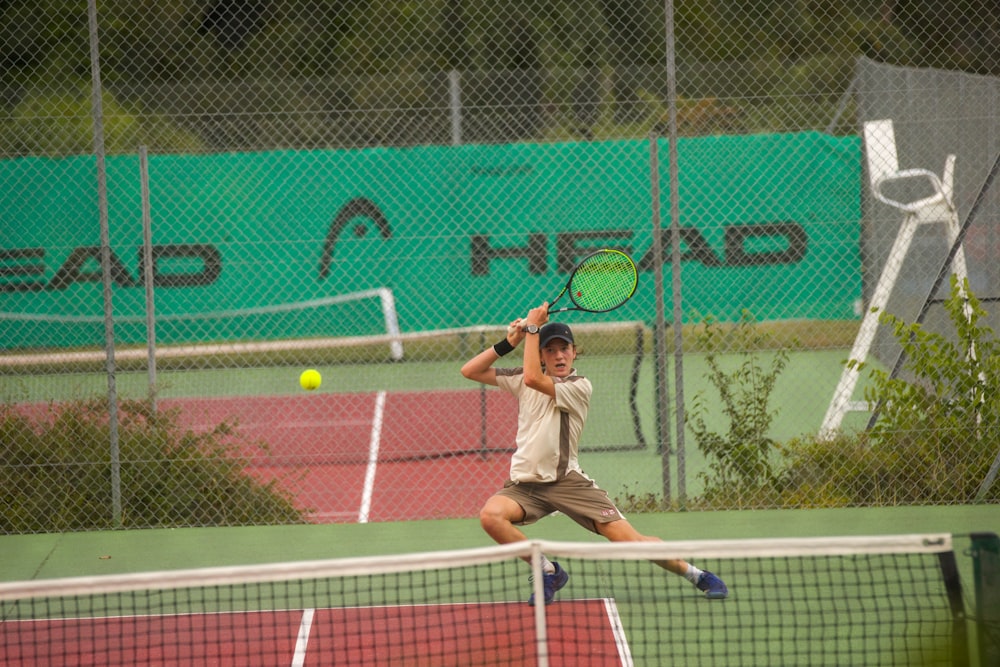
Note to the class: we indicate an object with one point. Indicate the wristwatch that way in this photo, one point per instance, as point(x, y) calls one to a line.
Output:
point(531, 328)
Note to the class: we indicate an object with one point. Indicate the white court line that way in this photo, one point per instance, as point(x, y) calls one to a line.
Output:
point(305, 625)
point(621, 641)
point(373, 447)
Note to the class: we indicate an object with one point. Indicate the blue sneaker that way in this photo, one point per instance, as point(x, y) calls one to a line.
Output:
point(550, 584)
point(715, 588)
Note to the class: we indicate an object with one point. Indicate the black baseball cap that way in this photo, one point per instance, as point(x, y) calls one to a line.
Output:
point(554, 330)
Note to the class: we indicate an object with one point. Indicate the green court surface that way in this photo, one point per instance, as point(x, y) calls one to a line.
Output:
point(47, 556)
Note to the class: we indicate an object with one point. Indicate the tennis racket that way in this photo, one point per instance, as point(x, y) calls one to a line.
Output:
point(602, 281)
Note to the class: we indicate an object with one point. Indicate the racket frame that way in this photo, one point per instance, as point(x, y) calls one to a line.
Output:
point(580, 264)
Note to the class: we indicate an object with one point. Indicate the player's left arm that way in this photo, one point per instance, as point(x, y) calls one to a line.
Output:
point(480, 367)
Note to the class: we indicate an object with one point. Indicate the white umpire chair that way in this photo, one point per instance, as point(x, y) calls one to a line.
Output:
point(936, 208)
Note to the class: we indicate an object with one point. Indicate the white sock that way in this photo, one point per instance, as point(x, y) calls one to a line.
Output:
point(692, 574)
point(547, 566)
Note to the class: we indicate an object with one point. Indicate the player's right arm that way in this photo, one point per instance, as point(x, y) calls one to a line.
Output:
point(534, 375)
point(480, 367)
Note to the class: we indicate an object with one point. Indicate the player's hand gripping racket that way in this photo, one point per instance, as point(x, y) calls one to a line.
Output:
point(602, 281)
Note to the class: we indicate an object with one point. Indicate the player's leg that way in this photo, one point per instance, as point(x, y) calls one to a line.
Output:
point(578, 497)
point(622, 531)
point(516, 504)
point(498, 516)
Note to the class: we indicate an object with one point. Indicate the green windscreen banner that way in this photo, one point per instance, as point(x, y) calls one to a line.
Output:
point(290, 244)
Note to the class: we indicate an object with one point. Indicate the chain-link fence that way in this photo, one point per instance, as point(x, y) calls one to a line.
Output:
point(202, 198)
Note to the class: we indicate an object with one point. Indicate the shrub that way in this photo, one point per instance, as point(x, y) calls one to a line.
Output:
point(741, 460)
point(937, 431)
point(57, 472)
point(933, 443)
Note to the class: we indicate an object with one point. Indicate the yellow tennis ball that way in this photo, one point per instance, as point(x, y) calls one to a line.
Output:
point(310, 379)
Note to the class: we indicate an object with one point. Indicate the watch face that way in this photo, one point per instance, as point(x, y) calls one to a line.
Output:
point(531, 328)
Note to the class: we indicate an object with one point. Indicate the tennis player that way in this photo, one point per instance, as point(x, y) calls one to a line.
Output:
point(545, 473)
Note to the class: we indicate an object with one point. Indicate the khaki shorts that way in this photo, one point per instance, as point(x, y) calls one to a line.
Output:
point(574, 495)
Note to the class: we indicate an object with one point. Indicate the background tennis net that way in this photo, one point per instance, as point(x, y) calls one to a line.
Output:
point(819, 601)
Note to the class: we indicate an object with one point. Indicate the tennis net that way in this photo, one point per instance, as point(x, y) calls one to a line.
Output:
point(888, 600)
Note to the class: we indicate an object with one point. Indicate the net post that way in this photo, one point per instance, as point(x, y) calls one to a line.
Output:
point(538, 588)
point(986, 573)
point(953, 588)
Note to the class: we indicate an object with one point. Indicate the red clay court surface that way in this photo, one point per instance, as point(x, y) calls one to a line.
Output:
point(581, 633)
point(381, 456)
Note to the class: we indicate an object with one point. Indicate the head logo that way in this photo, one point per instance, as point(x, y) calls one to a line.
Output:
point(359, 207)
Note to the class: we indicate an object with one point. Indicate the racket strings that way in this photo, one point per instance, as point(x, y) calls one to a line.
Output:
point(603, 282)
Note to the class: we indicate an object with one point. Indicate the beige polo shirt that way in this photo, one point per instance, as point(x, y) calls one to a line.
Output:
point(548, 429)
